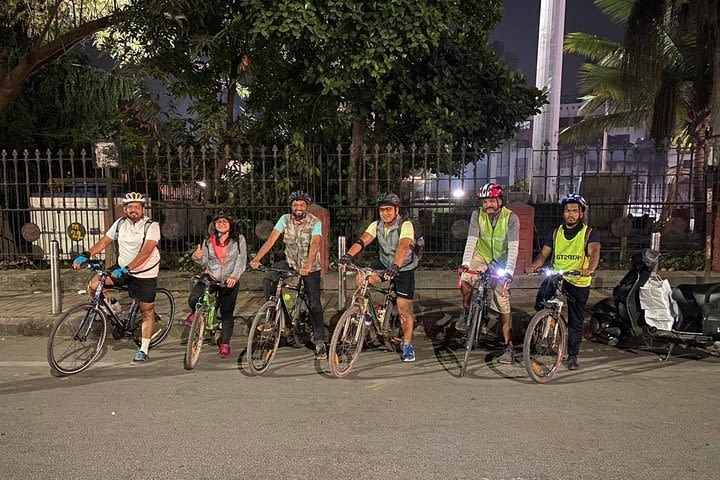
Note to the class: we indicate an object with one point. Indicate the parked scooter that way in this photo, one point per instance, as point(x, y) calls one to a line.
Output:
point(620, 316)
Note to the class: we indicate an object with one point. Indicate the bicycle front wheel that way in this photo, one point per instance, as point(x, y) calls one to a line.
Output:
point(195, 339)
point(544, 346)
point(76, 339)
point(264, 338)
point(164, 315)
point(347, 342)
point(472, 334)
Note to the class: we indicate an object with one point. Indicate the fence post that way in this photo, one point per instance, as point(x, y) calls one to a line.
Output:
point(341, 273)
point(655, 241)
point(55, 276)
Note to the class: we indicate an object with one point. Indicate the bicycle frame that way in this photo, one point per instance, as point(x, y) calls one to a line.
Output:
point(99, 300)
point(362, 298)
point(288, 318)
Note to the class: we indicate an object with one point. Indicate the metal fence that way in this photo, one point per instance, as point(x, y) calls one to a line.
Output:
point(633, 191)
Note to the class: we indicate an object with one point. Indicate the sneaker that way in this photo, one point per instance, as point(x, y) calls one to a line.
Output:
point(508, 356)
point(408, 352)
point(189, 319)
point(224, 350)
point(461, 322)
point(320, 351)
point(184, 335)
point(140, 358)
point(572, 363)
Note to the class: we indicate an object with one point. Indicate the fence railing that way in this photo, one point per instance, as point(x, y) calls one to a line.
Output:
point(633, 190)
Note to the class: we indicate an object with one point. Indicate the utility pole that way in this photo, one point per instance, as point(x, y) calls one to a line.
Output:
point(544, 165)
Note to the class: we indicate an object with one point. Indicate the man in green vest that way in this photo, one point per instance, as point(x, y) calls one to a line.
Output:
point(574, 246)
point(302, 232)
point(493, 237)
point(396, 261)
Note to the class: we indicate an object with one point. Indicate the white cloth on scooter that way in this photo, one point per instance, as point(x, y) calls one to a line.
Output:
point(657, 303)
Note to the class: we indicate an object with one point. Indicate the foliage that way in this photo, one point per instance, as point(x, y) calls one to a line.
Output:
point(659, 78)
point(414, 70)
point(70, 104)
point(693, 261)
point(35, 33)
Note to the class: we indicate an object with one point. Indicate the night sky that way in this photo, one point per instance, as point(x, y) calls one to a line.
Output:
point(518, 31)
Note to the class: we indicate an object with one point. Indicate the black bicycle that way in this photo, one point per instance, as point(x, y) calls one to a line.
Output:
point(547, 334)
point(364, 319)
point(77, 338)
point(477, 317)
point(285, 314)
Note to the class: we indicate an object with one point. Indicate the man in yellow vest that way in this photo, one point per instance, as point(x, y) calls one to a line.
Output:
point(574, 246)
point(493, 236)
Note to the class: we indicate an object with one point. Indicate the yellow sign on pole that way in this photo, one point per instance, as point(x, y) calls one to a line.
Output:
point(76, 231)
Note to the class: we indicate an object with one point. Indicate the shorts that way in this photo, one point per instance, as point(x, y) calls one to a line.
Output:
point(140, 289)
point(498, 302)
point(404, 281)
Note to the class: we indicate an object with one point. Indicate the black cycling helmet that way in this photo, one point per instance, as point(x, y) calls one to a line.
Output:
point(574, 198)
point(299, 195)
point(388, 198)
point(222, 214)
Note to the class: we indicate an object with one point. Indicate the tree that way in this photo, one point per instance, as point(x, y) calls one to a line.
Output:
point(398, 69)
point(36, 33)
point(663, 75)
point(70, 104)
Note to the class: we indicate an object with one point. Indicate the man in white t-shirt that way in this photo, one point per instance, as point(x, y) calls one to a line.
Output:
point(138, 263)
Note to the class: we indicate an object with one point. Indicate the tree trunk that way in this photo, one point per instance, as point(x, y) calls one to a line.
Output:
point(356, 158)
point(12, 81)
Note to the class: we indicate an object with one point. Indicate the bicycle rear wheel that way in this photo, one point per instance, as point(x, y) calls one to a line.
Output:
point(544, 346)
point(347, 342)
point(76, 339)
point(264, 338)
point(164, 315)
point(472, 334)
point(392, 330)
point(195, 339)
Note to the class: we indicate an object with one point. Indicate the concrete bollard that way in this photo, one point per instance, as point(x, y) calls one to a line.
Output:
point(55, 276)
point(342, 250)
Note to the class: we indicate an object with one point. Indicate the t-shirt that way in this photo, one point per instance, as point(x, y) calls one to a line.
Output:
point(130, 241)
point(570, 233)
point(406, 230)
point(280, 225)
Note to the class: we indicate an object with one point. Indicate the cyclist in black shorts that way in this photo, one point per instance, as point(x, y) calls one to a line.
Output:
point(135, 237)
point(396, 256)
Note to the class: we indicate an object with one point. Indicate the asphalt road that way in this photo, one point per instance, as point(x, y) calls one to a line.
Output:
point(624, 414)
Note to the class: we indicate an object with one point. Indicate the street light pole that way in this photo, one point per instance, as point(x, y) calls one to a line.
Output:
point(543, 178)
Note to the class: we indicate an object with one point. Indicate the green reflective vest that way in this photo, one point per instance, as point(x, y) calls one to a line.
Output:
point(570, 254)
point(493, 241)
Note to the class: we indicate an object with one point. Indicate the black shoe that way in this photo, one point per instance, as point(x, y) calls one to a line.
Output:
point(321, 352)
point(572, 362)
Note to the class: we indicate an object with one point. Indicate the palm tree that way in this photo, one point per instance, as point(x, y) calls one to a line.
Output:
point(661, 77)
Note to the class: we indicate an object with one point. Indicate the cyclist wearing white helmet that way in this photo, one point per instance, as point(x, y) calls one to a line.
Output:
point(493, 237)
point(135, 237)
point(574, 246)
point(302, 232)
point(396, 260)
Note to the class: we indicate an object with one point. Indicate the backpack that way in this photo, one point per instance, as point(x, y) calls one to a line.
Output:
point(116, 244)
point(419, 244)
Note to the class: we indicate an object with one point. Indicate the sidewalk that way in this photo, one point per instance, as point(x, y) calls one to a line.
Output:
point(25, 301)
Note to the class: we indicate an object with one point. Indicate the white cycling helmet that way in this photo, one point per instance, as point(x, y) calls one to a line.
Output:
point(133, 197)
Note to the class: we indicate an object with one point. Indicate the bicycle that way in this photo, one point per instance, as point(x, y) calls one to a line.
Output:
point(275, 320)
point(352, 327)
point(547, 334)
point(205, 319)
point(77, 338)
point(478, 317)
